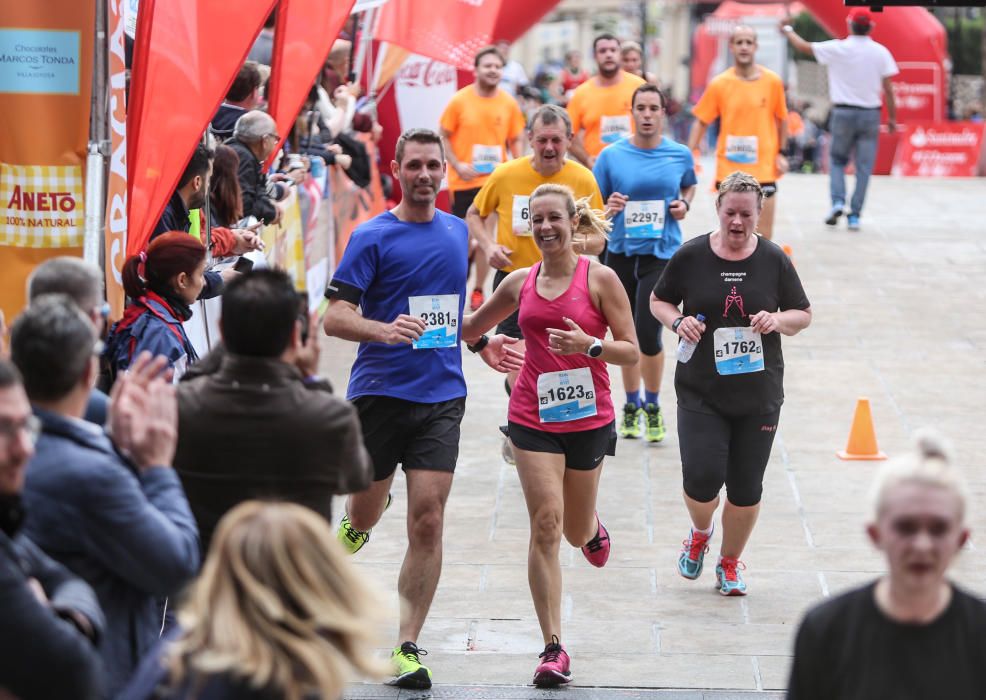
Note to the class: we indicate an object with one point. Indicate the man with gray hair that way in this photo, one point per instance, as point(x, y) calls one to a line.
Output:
point(254, 140)
point(82, 282)
point(507, 192)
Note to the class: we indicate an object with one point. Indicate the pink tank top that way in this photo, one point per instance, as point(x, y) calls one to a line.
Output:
point(560, 393)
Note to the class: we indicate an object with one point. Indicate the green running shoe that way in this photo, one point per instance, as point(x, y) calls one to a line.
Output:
point(351, 539)
point(632, 417)
point(408, 670)
point(655, 423)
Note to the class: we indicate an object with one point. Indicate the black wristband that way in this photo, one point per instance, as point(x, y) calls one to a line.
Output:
point(480, 344)
point(688, 206)
point(676, 323)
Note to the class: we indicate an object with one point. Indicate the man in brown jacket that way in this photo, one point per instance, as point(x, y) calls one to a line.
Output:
point(255, 422)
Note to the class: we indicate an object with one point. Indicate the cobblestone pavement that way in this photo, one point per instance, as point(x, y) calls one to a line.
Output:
point(898, 317)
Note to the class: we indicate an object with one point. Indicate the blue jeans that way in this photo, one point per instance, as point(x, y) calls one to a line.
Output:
point(852, 129)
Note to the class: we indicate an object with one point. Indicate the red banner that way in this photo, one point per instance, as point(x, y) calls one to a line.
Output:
point(451, 31)
point(187, 54)
point(306, 30)
point(917, 91)
point(944, 149)
point(116, 187)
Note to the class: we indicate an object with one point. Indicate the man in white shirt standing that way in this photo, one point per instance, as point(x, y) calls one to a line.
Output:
point(514, 76)
point(859, 69)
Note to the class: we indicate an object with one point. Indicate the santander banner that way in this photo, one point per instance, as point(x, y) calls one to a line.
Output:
point(917, 90)
point(943, 149)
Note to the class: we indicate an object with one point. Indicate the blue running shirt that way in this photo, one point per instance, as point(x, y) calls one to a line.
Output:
point(393, 262)
point(645, 175)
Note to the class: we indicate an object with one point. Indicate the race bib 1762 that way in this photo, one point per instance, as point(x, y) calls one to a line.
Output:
point(738, 351)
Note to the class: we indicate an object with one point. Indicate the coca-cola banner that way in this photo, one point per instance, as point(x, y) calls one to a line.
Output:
point(942, 149)
point(423, 87)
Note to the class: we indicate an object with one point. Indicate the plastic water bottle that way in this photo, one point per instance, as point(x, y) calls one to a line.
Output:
point(686, 348)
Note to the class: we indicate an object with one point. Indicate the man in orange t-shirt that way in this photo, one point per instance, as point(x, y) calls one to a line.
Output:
point(479, 124)
point(600, 107)
point(749, 101)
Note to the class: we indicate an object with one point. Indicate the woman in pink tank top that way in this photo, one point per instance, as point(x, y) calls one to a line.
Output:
point(561, 419)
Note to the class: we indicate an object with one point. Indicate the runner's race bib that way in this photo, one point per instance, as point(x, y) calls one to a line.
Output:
point(565, 396)
point(738, 351)
point(486, 158)
point(741, 149)
point(441, 316)
point(644, 219)
point(612, 129)
point(522, 216)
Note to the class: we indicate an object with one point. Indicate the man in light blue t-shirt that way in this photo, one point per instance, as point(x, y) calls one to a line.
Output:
point(406, 270)
point(649, 181)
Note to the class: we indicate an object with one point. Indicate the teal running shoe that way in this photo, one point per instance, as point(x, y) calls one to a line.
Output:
point(693, 554)
point(728, 579)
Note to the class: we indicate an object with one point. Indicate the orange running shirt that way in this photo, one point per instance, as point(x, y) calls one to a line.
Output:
point(604, 112)
point(479, 129)
point(748, 111)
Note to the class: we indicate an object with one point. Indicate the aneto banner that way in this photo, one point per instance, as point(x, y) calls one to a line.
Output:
point(46, 49)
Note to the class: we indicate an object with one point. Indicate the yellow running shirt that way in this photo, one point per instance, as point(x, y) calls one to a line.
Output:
point(507, 191)
point(604, 112)
point(748, 111)
point(480, 127)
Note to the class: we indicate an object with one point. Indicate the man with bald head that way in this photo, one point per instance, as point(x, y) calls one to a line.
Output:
point(254, 139)
point(749, 101)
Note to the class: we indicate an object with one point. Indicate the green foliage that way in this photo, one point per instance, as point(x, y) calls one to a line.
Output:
point(965, 45)
point(809, 30)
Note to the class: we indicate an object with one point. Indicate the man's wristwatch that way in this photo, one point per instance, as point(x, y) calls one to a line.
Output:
point(677, 322)
point(787, 28)
point(596, 349)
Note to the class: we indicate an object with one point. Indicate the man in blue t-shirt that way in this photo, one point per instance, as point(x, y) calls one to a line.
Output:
point(406, 270)
point(649, 182)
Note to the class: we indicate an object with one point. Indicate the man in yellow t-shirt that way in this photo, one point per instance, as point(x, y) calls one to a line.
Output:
point(481, 127)
point(507, 192)
point(600, 107)
point(749, 101)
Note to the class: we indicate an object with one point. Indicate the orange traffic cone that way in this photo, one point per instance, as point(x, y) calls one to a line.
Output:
point(862, 437)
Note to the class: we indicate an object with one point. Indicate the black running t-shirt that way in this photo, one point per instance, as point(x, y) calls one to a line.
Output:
point(723, 375)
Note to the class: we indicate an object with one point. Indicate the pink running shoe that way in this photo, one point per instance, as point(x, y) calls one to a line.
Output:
point(555, 666)
point(596, 550)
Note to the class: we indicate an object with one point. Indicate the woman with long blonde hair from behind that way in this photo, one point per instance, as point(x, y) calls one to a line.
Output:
point(278, 613)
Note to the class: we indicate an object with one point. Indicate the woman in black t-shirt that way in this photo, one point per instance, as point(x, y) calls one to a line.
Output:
point(730, 392)
point(911, 633)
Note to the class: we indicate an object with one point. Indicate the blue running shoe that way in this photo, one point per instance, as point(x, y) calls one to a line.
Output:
point(728, 579)
point(834, 213)
point(693, 554)
point(853, 222)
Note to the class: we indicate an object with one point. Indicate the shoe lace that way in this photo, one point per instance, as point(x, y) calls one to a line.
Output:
point(353, 535)
point(729, 568)
point(551, 651)
point(410, 650)
point(654, 418)
point(596, 543)
point(697, 545)
point(629, 415)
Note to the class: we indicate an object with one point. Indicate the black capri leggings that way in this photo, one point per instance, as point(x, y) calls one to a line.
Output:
point(639, 275)
point(717, 450)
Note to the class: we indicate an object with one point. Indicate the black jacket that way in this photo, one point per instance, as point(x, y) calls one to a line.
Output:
point(42, 653)
point(175, 218)
point(255, 430)
point(225, 119)
point(253, 184)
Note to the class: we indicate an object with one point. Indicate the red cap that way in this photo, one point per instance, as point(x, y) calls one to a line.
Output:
point(861, 16)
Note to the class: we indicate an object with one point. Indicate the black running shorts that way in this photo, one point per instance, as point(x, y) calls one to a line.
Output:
point(584, 450)
point(717, 450)
point(415, 435)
